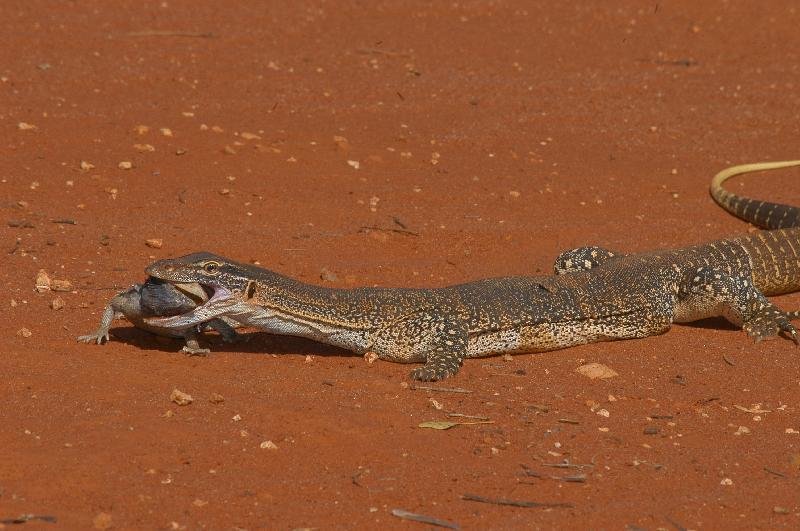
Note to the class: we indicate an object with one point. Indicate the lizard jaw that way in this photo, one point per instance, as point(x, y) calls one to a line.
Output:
point(218, 304)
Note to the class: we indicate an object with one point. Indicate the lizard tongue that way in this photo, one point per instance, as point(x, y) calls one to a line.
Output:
point(193, 290)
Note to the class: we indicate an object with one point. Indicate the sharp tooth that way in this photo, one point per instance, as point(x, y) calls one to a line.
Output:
point(193, 290)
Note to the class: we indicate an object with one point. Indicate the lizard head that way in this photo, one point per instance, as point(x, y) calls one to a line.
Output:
point(224, 281)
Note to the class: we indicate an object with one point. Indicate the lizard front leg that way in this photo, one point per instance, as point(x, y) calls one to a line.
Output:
point(224, 329)
point(192, 346)
point(706, 292)
point(440, 342)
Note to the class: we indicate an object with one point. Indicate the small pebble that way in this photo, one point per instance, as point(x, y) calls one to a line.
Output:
point(86, 166)
point(181, 398)
point(125, 165)
point(216, 398)
point(60, 285)
point(24, 332)
point(268, 445)
point(155, 243)
point(57, 303)
point(596, 370)
point(102, 521)
point(328, 275)
point(42, 281)
point(341, 143)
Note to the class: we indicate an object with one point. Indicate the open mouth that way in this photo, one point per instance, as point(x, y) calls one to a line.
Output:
point(212, 301)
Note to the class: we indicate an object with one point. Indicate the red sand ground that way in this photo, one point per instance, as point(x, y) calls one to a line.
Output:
point(499, 134)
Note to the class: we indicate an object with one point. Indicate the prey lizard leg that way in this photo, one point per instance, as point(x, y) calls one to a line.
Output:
point(581, 259)
point(101, 334)
point(708, 292)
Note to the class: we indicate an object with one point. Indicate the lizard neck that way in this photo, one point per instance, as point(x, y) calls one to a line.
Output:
point(346, 318)
point(296, 300)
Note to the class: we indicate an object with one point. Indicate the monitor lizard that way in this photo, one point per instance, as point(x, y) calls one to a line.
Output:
point(156, 297)
point(595, 295)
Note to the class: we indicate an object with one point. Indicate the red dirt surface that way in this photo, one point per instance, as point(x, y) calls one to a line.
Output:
point(312, 135)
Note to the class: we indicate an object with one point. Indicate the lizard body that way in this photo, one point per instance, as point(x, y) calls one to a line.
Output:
point(156, 298)
point(596, 295)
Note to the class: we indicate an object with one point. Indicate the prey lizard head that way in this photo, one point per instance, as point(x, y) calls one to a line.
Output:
point(226, 283)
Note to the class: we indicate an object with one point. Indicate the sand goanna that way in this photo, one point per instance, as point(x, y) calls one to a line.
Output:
point(596, 295)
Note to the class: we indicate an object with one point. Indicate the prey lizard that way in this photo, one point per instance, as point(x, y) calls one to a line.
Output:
point(154, 298)
point(596, 295)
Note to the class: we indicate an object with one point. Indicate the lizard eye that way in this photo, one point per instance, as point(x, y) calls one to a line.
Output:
point(211, 267)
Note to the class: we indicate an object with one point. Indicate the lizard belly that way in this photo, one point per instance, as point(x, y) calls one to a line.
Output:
point(553, 336)
point(273, 322)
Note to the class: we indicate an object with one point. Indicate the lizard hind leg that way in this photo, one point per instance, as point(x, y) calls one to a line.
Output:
point(707, 292)
point(581, 259)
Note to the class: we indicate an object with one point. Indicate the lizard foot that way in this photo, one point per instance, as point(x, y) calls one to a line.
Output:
point(98, 337)
point(432, 372)
point(193, 351)
point(770, 322)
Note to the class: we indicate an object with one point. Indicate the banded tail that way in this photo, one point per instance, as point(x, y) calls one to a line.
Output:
point(760, 213)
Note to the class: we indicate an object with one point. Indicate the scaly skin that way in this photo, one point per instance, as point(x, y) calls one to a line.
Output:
point(157, 298)
point(597, 295)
